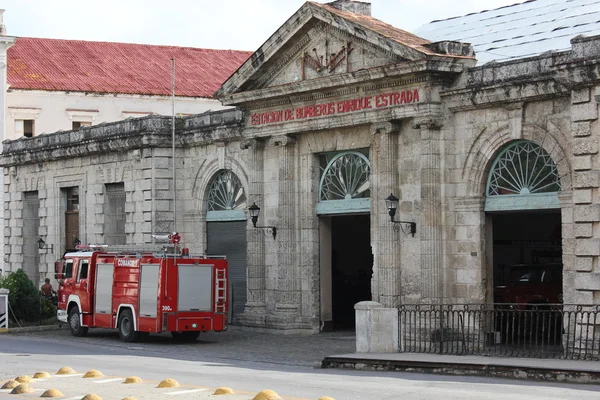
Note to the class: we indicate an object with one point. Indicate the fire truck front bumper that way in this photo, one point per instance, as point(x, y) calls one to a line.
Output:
point(61, 315)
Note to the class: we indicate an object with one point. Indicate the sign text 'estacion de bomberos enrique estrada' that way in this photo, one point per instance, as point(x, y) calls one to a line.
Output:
point(335, 107)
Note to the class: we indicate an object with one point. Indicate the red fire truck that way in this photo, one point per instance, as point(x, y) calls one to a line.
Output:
point(142, 292)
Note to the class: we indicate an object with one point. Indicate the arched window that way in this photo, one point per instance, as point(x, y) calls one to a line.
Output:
point(226, 198)
point(523, 177)
point(345, 184)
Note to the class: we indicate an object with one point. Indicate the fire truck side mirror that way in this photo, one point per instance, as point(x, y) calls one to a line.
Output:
point(58, 274)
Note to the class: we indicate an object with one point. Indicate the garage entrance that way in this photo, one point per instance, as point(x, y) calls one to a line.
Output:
point(524, 226)
point(228, 238)
point(346, 260)
point(226, 234)
point(346, 269)
point(527, 258)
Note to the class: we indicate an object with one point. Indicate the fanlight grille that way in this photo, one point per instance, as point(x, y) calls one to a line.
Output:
point(346, 176)
point(523, 168)
point(226, 192)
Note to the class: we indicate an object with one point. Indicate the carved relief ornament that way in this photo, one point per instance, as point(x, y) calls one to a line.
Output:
point(319, 63)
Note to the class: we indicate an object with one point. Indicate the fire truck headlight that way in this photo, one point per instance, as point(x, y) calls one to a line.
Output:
point(194, 325)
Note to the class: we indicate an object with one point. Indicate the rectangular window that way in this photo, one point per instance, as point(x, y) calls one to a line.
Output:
point(114, 214)
point(68, 270)
point(83, 270)
point(28, 125)
point(79, 124)
point(71, 201)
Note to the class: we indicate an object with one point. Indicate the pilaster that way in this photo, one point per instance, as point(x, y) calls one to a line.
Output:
point(288, 297)
point(256, 240)
point(386, 282)
point(431, 204)
point(580, 213)
point(581, 207)
point(469, 274)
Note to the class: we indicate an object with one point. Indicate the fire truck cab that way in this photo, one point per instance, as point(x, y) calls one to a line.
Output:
point(139, 293)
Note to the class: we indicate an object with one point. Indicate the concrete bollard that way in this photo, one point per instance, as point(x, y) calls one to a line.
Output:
point(376, 328)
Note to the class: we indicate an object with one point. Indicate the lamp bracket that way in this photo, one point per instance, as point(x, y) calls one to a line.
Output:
point(407, 227)
point(268, 231)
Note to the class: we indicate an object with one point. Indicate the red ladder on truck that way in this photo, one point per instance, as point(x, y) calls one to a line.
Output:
point(221, 289)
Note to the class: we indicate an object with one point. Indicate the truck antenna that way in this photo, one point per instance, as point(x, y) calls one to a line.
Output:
point(173, 144)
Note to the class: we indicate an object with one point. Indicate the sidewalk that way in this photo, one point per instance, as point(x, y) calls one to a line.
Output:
point(506, 367)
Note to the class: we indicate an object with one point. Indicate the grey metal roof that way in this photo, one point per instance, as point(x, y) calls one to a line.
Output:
point(519, 30)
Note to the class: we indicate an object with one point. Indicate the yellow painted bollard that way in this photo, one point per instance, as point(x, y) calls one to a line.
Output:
point(23, 379)
point(132, 380)
point(93, 373)
point(52, 393)
point(223, 390)
point(168, 383)
point(10, 384)
point(41, 375)
point(91, 396)
point(267, 395)
point(65, 371)
point(22, 388)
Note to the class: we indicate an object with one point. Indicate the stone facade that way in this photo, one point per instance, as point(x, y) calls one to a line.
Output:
point(431, 123)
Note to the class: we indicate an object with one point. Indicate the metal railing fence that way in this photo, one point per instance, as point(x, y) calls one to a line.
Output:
point(32, 310)
point(567, 331)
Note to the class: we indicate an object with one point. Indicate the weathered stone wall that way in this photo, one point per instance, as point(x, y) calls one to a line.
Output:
point(137, 153)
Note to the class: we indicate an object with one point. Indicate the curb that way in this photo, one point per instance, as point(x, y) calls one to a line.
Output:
point(466, 369)
point(32, 329)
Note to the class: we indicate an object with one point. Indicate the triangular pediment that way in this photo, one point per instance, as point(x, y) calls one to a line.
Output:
point(323, 51)
point(318, 41)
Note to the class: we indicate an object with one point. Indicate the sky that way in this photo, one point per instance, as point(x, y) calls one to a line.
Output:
point(215, 24)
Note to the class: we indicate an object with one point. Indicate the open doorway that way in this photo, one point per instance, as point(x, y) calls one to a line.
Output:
point(346, 266)
point(527, 257)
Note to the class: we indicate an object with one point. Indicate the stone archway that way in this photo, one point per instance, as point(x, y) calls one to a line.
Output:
point(226, 233)
point(488, 144)
point(473, 223)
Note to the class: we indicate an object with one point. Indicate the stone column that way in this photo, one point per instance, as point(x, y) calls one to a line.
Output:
point(256, 239)
point(288, 297)
point(386, 283)
point(431, 226)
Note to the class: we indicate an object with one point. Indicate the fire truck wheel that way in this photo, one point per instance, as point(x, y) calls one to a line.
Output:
point(75, 323)
point(188, 336)
point(126, 327)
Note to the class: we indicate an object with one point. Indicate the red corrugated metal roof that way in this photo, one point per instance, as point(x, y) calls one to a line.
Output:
point(101, 67)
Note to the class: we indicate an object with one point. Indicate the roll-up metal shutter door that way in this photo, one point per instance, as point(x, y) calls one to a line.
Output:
point(31, 227)
point(229, 239)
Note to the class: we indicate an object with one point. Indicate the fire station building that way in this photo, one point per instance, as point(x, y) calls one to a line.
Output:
point(486, 170)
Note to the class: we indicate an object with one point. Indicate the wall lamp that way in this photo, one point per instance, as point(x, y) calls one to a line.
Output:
point(42, 245)
point(254, 211)
point(407, 227)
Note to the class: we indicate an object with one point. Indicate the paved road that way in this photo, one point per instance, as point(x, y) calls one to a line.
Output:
point(252, 362)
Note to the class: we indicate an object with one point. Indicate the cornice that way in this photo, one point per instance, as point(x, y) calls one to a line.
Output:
point(401, 71)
